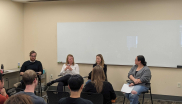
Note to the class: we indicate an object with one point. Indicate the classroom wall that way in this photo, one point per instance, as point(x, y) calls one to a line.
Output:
point(11, 38)
point(11, 34)
point(40, 32)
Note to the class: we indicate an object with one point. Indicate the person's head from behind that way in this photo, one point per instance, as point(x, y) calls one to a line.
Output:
point(98, 77)
point(19, 99)
point(70, 59)
point(1, 81)
point(75, 83)
point(33, 55)
point(140, 60)
point(100, 60)
point(30, 78)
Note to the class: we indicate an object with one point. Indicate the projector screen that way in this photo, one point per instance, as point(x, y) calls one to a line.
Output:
point(120, 42)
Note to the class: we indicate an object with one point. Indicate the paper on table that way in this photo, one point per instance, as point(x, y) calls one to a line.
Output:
point(126, 88)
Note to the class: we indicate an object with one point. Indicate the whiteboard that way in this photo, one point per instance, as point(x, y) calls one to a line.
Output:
point(120, 42)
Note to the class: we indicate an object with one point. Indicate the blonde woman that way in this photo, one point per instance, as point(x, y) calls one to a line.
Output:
point(99, 85)
point(99, 61)
point(68, 69)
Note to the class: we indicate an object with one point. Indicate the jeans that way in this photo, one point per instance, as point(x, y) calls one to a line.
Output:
point(134, 97)
point(89, 80)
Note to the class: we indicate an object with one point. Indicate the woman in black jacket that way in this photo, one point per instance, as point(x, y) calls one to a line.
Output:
point(99, 61)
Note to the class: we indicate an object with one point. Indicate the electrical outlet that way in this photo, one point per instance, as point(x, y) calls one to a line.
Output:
point(179, 85)
point(51, 76)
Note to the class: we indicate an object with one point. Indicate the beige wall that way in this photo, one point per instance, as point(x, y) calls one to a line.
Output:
point(11, 34)
point(11, 38)
point(40, 32)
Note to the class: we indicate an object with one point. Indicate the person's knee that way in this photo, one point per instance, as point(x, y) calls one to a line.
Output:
point(133, 92)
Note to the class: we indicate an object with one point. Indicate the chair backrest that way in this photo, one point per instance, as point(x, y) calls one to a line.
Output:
point(93, 97)
point(54, 96)
point(13, 91)
point(149, 85)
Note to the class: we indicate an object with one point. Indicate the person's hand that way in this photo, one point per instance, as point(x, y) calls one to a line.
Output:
point(39, 73)
point(21, 73)
point(66, 68)
point(136, 81)
point(70, 68)
point(3, 92)
point(131, 85)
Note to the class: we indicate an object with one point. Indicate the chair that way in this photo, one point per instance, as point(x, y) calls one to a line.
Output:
point(54, 96)
point(93, 97)
point(12, 91)
point(39, 85)
point(149, 91)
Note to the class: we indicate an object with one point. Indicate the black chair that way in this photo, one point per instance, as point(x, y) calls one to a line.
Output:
point(93, 97)
point(149, 91)
point(12, 91)
point(39, 85)
point(54, 96)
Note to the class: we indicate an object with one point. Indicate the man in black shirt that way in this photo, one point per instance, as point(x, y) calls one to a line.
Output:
point(75, 84)
point(31, 64)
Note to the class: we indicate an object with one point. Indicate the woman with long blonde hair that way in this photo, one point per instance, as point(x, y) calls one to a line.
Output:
point(68, 69)
point(99, 61)
point(99, 85)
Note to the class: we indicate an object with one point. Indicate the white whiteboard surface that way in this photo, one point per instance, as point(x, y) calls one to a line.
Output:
point(120, 42)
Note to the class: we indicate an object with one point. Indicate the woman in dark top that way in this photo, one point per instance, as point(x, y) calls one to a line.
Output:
point(99, 85)
point(139, 76)
point(99, 61)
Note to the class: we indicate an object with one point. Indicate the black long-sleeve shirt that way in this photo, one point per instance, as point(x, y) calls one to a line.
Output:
point(36, 66)
point(105, 71)
point(107, 91)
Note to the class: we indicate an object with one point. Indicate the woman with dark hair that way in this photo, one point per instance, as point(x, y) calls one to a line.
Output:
point(99, 85)
point(139, 76)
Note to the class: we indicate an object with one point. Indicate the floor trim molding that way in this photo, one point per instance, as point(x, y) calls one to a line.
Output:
point(157, 97)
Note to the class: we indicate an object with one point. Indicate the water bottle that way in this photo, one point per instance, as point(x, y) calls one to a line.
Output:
point(18, 65)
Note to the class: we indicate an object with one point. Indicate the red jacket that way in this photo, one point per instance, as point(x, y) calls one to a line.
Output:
point(3, 98)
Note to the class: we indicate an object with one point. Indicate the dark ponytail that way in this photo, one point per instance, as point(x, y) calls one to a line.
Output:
point(142, 59)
